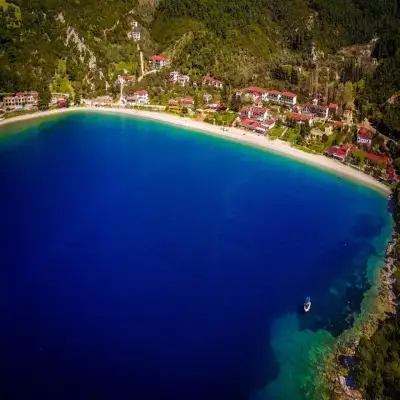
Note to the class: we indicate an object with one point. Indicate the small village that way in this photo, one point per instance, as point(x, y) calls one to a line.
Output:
point(310, 126)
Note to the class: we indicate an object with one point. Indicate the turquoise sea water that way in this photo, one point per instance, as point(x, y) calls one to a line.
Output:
point(141, 260)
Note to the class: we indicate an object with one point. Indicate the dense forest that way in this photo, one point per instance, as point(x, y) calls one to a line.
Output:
point(80, 47)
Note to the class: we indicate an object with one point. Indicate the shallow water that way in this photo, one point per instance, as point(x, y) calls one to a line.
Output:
point(142, 260)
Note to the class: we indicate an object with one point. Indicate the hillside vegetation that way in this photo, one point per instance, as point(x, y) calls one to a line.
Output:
point(238, 42)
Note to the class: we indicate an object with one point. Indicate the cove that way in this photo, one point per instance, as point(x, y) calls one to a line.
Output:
point(142, 260)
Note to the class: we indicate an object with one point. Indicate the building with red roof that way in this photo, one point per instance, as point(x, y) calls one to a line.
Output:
point(288, 98)
point(21, 100)
point(300, 118)
point(364, 136)
point(188, 101)
point(141, 97)
point(157, 61)
point(125, 79)
point(333, 108)
point(339, 152)
point(210, 81)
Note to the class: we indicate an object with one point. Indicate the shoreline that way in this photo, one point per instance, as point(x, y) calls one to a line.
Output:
point(234, 134)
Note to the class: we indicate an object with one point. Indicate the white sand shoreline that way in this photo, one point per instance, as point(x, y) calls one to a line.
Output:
point(276, 146)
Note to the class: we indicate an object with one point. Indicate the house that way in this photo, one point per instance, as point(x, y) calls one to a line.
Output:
point(338, 125)
point(21, 100)
point(260, 113)
point(339, 152)
point(269, 124)
point(374, 158)
point(135, 35)
point(188, 101)
point(141, 97)
point(333, 109)
point(322, 111)
point(180, 79)
point(273, 95)
point(255, 92)
point(348, 117)
point(172, 102)
point(246, 112)
point(300, 118)
point(210, 81)
point(364, 136)
point(158, 62)
point(125, 79)
point(288, 98)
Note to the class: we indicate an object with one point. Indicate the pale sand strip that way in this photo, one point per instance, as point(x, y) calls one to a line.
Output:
point(277, 146)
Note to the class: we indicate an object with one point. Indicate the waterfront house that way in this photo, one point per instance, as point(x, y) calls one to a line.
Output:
point(158, 61)
point(364, 136)
point(188, 102)
point(141, 97)
point(288, 98)
point(210, 81)
point(339, 152)
point(21, 100)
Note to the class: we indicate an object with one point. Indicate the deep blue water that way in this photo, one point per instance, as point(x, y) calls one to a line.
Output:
point(143, 261)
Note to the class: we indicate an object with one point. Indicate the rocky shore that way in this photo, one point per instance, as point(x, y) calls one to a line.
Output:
point(339, 368)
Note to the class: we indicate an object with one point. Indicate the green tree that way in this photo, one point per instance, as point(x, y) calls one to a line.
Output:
point(348, 94)
point(235, 103)
point(44, 99)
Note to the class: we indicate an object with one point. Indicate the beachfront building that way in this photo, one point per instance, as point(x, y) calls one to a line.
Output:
point(364, 136)
point(21, 100)
point(141, 96)
point(322, 111)
point(339, 152)
point(254, 113)
point(259, 127)
point(158, 62)
point(246, 112)
point(210, 81)
point(288, 98)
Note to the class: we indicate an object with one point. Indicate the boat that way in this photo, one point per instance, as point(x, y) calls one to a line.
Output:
point(307, 304)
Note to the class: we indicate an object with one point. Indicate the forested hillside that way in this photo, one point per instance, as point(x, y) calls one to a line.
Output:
point(78, 46)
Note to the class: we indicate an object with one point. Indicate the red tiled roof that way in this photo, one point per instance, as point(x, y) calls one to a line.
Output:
point(211, 79)
point(289, 94)
point(139, 92)
point(333, 106)
point(254, 89)
point(299, 117)
point(157, 57)
point(258, 101)
point(376, 158)
point(269, 122)
point(126, 77)
point(273, 92)
point(347, 111)
point(338, 124)
point(260, 111)
point(248, 123)
point(365, 133)
point(188, 100)
point(323, 108)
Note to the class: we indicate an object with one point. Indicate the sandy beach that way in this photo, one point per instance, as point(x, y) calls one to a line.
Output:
point(277, 146)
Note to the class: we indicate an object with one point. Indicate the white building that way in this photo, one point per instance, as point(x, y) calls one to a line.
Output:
point(158, 61)
point(210, 81)
point(142, 97)
point(288, 98)
point(135, 36)
point(180, 79)
point(21, 100)
point(364, 136)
